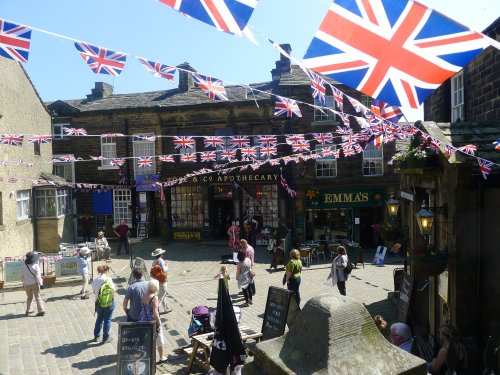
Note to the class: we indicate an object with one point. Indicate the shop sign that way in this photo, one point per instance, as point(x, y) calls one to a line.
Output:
point(355, 197)
point(270, 177)
point(13, 271)
point(66, 266)
point(407, 196)
point(187, 235)
point(147, 183)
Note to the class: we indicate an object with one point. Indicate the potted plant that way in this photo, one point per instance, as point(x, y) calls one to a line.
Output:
point(418, 153)
point(48, 271)
point(428, 259)
point(387, 231)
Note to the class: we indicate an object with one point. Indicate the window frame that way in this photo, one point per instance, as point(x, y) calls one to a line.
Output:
point(105, 164)
point(25, 202)
point(121, 207)
point(326, 160)
point(457, 97)
point(187, 200)
point(321, 118)
point(59, 135)
point(61, 202)
point(137, 153)
point(378, 161)
point(65, 165)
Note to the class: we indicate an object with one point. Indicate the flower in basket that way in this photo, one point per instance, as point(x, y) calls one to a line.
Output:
point(419, 148)
point(385, 227)
point(429, 259)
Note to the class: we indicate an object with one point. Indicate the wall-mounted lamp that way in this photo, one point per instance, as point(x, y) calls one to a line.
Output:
point(392, 206)
point(425, 219)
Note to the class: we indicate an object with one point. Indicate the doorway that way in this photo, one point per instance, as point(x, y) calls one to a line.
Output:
point(223, 217)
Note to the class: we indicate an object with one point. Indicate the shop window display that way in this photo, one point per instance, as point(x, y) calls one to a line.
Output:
point(261, 202)
point(328, 224)
point(187, 207)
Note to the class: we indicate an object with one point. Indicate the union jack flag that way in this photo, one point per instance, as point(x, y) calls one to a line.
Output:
point(248, 153)
point(390, 113)
point(14, 41)
point(112, 135)
point(485, 167)
point(146, 161)
point(346, 119)
point(318, 86)
point(268, 151)
point(286, 107)
point(326, 151)
point(348, 151)
point(267, 140)
point(497, 144)
point(434, 145)
point(358, 107)
point(449, 150)
point(468, 149)
point(166, 158)
point(301, 146)
point(230, 16)
point(117, 162)
point(184, 142)
point(208, 156)
point(75, 131)
point(238, 141)
point(349, 140)
point(323, 138)
point(362, 122)
point(211, 86)
point(159, 69)
point(102, 60)
point(214, 142)
point(13, 180)
point(338, 96)
point(342, 130)
point(97, 157)
point(66, 158)
point(398, 51)
point(189, 157)
point(142, 138)
point(40, 139)
point(294, 138)
point(228, 155)
point(12, 139)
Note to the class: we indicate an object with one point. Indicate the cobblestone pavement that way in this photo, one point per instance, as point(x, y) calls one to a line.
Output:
point(61, 341)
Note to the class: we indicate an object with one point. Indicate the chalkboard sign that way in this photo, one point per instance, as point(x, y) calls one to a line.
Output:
point(136, 348)
point(100, 222)
point(281, 309)
point(142, 229)
point(139, 262)
point(404, 298)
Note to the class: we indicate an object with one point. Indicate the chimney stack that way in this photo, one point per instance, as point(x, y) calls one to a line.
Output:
point(186, 82)
point(283, 65)
point(102, 90)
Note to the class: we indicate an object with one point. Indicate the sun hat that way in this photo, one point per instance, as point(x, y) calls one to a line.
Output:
point(100, 233)
point(158, 252)
point(84, 250)
point(32, 257)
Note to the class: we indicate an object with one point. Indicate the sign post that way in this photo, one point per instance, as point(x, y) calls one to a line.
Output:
point(404, 298)
point(281, 309)
point(136, 348)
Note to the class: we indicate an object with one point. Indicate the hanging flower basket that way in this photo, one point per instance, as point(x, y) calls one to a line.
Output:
point(1, 284)
point(390, 235)
point(428, 260)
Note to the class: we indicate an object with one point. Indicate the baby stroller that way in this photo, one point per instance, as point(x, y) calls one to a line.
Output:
point(200, 321)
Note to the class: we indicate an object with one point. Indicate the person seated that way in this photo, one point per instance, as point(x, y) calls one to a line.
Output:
point(381, 325)
point(452, 355)
point(102, 246)
point(400, 336)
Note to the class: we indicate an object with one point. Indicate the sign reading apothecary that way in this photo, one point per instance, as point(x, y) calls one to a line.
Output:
point(351, 197)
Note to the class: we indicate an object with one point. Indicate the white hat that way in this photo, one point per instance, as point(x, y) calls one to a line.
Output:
point(158, 252)
point(84, 250)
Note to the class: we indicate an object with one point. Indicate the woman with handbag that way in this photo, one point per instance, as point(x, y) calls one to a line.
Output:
point(337, 273)
point(31, 278)
point(292, 275)
point(244, 277)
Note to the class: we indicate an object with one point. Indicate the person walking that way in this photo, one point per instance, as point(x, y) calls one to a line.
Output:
point(244, 277)
point(292, 276)
point(250, 253)
point(159, 271)
point(122, 232)
point(104, 289)
point(234, 236)
point(150, 312)
point(134, 295)
point(82, 263)
point(31, 278)
point(102, 246)
point(337, 274)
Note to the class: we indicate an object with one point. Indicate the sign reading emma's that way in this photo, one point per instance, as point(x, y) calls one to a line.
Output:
point(355, 197)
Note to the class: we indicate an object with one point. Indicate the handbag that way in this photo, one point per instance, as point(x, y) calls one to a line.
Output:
point(284, 279)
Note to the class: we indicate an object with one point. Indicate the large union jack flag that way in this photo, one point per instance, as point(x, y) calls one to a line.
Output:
point(102, 60)
point(14, 41)
point(397, 51)
point(40, 139)
point(390, 113)
point(184, 142)
point(286, 107)
point(226, 15)
point(159, 69)
point(211, 86)
point(214, 142)
point(146, 161)
point(12, 139)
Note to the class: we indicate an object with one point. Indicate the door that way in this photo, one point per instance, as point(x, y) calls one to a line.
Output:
point(223, 217)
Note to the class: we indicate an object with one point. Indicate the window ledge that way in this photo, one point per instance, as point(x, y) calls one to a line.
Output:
point(328, 122)
point(23, 221)
point(105, 168)
point(373, 175)
point(60, 217)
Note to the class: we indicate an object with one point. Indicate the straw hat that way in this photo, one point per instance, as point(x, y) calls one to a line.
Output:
point(84, 250)
point(158, 252)
point(100, 233)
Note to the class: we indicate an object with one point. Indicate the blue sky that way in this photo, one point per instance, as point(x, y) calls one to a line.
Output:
point(150, 29)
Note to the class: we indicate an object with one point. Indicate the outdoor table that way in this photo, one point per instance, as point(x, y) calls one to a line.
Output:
point(200, 352)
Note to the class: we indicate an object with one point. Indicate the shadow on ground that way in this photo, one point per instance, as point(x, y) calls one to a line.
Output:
point(99, 362)
point(69, 350)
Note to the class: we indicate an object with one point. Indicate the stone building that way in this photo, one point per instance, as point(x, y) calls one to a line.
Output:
point(202, 207)
point(23, 225)
point(465, 110)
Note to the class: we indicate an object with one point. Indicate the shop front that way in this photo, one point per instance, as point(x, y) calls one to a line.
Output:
point(341, 213)
point(205, 207)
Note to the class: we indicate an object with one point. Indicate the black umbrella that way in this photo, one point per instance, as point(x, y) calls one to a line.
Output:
point(227, 347)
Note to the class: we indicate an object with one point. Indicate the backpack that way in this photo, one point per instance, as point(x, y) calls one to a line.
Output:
point(348, 268)
point(105, 297)
point(200, 321)
point(158, 274)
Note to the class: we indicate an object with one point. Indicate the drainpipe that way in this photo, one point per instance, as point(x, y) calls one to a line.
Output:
point(478, 251)
point(34, 218)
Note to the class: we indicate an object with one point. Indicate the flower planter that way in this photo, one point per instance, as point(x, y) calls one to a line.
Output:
point(430, 266)
point(1, 284)
point(48, 281)
point(390, 235)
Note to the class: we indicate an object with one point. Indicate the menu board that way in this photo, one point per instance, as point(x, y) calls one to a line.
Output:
point(404, 298)
point(100, 222)
point(136, 348)
point(142, 229)
point(281, 309)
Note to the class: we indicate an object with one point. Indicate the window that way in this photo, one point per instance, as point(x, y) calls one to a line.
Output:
point(366, 100)
point(457, 97)
point(227, 146)
point(64, 170)
point(122, 199)
point(108, 151)
point(52, 202)
point(261, 201)
point(327, 165)
point(187, 207)
point(144, 148)
point(36, 149)
point(324, 115)
point(373, 161)
point(23, 204)
point(57, 131)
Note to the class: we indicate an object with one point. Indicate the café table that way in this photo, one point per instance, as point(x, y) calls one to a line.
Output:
point(199, 353)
